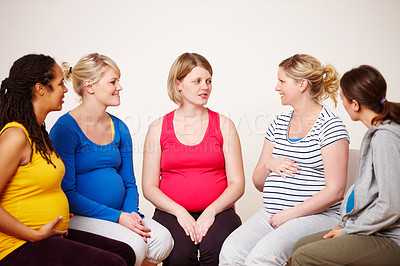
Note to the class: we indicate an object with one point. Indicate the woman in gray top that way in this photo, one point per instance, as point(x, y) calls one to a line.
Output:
point(369, 232)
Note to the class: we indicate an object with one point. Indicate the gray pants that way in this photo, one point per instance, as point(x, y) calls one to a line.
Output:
point(158, 246)
point(256, 242)
point(346, 250)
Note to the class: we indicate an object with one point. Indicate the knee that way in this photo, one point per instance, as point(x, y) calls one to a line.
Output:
point(181, 258)
point(229, 248)
point(230, 251)
point(267, 255)
point(184, 252)
point(255, 258)
point(301, 242)
point(160, 246)
point(210, 250)
point(298, 256)
point(140, 250)
point(209, 257)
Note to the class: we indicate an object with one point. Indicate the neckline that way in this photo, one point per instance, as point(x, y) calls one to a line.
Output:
point(205, 133)
point(308, 133)
point(83, 133)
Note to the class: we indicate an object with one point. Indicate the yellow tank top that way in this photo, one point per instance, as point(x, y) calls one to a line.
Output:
point(33, 195)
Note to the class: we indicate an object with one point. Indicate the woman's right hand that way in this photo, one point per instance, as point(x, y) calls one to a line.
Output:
point(188, 223)
point(48, 230)
point(282, 166)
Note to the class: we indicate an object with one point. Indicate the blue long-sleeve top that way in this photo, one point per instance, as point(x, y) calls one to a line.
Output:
point(99, 180)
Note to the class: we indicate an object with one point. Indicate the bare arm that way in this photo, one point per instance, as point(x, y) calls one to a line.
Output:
point(15, 145)
point(233, 167)
point(261, 171)
point(151, 180)
point(335, 160)
point(267, 164)
point(151, 172)
point(235, 178)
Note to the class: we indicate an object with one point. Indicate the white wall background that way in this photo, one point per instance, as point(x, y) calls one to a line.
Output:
point(243, 40)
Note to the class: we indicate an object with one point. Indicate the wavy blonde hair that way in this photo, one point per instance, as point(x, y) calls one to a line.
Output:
point(323, 80)
point(90, 67)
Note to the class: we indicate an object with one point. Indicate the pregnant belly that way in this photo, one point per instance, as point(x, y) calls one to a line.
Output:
point(104, 186)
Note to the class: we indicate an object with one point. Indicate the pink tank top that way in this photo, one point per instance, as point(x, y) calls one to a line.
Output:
point(193, 176)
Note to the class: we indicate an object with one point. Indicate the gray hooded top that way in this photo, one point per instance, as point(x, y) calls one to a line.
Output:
point(377, 186)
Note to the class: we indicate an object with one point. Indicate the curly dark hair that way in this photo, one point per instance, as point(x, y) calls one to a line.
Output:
point(16, 96)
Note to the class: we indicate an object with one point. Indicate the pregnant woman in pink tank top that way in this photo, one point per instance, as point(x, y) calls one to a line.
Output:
point(192, 168)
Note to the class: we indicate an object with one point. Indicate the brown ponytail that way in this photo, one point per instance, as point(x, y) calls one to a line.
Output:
point(367, 86)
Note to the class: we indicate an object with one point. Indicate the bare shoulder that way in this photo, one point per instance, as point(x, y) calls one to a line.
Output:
point(154, 130)
point(227, 126)
point(156, 124)
point(14, 143)
point(15, 137)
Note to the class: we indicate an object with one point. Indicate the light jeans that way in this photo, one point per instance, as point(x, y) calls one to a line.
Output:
point(256, 242)
point(158, 246)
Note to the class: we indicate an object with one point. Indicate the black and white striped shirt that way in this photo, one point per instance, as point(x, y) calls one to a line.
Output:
point(282, 193)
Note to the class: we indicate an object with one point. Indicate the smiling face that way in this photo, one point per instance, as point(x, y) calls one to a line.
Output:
point(196, 87)
point(56, 90)
point(288, 88)
point(106, 90)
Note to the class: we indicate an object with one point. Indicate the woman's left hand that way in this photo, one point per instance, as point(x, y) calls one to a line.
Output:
point(281, 217)
point(133, 221)
point(141, 229)
point(203, 223)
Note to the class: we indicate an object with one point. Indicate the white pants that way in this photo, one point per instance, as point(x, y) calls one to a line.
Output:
point(256, 242)
point(157, 248)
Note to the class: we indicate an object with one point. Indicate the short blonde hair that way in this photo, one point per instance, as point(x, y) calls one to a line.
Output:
point(180, 68)
point(323, 80)
point(90, 67)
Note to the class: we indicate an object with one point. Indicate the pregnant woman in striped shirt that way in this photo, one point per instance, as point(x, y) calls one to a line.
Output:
point(302, 170)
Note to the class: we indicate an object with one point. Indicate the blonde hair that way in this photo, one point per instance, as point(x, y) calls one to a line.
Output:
point(323, 80)
point(90, 67)
point(180, 68)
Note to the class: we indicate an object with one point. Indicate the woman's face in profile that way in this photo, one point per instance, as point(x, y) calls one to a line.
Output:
point(347, 105)
point(57, 89)
point(107, 89)
point(288, 88)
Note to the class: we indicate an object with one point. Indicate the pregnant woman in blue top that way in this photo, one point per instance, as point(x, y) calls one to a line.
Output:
point(97, 151)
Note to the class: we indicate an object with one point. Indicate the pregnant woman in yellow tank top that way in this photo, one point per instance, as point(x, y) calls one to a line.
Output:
point(34, 212)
